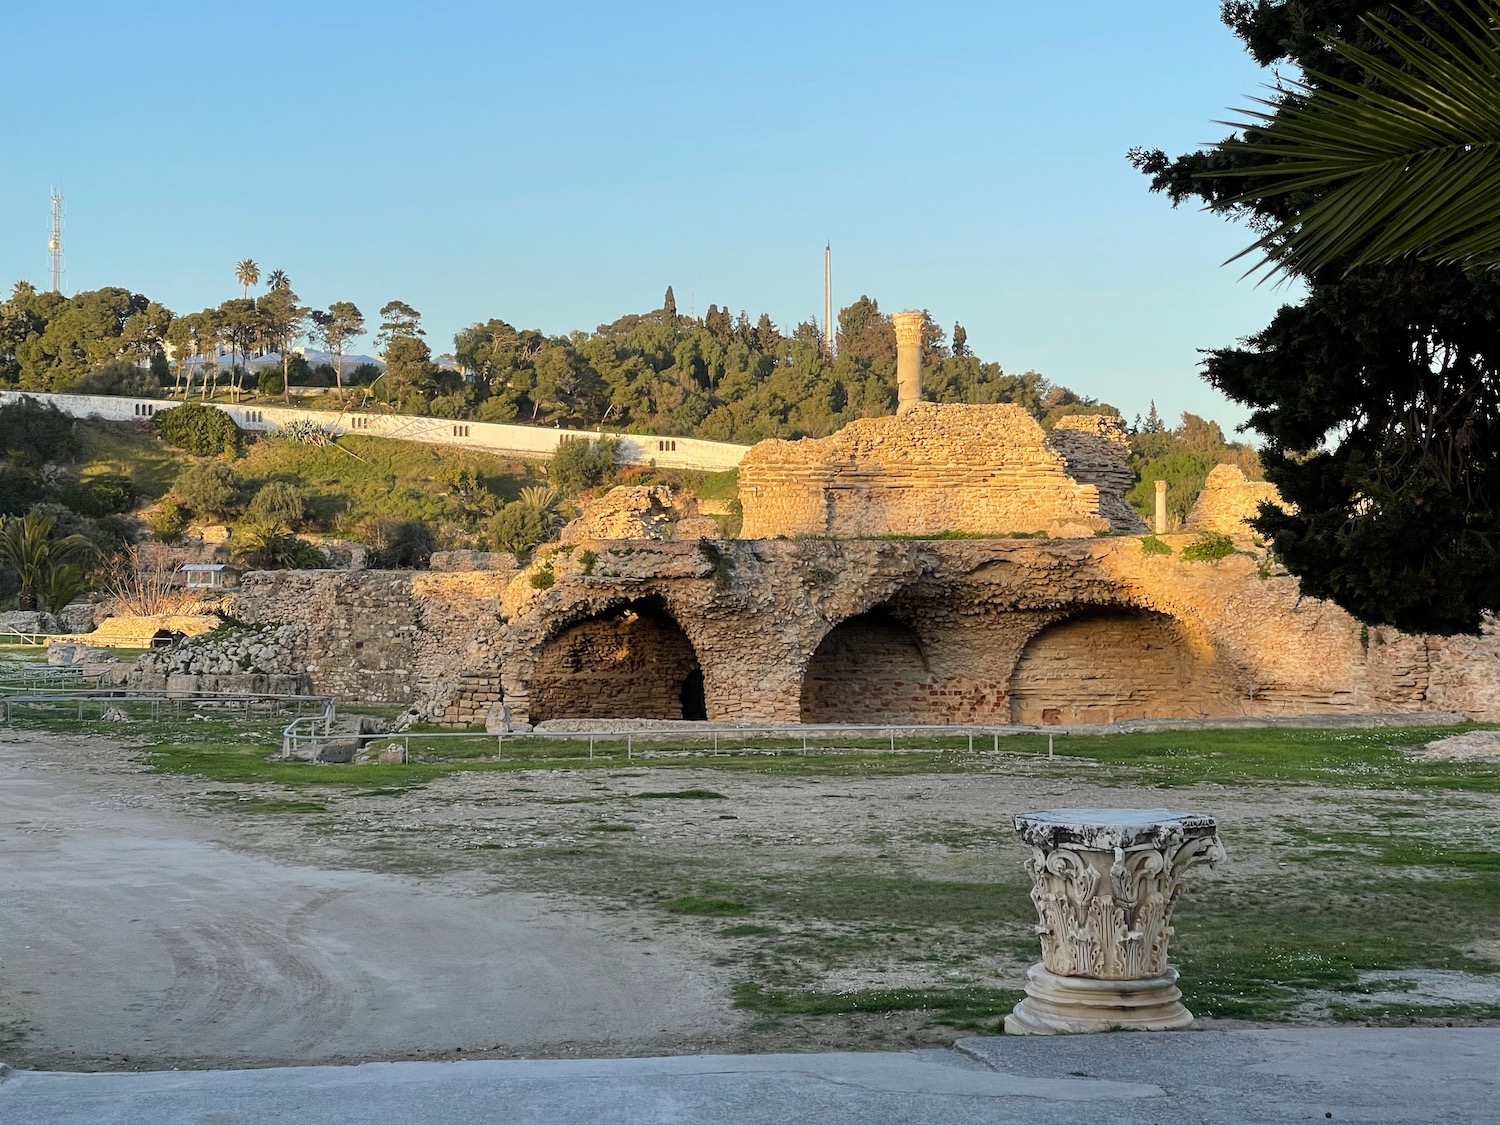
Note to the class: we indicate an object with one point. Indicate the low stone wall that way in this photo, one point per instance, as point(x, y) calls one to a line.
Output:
point(255, 659)
point(493, 437)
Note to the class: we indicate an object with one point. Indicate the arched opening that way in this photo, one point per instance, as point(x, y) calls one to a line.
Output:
point(631, 663)
point(1108, 665)
point(868, 669)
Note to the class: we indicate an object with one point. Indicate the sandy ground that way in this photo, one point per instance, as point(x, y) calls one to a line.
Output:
point(131, 936)
point(152, 921)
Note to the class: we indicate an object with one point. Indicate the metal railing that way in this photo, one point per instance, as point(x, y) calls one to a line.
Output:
point(246, 703)
point(302, 738)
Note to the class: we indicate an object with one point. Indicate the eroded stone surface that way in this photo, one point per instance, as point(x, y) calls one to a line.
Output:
point(986, 470)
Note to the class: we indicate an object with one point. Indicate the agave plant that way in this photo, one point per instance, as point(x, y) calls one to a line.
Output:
point(544, 500)
point(1406, 162)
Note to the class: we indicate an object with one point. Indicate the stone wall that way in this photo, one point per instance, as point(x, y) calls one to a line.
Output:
point(1109, 666)
point(992, 631)
point(1228, 500)
point(390, 636)
point(989, 631)
point(987, 470)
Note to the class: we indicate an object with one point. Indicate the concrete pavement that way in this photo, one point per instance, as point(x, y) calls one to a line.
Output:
point(1255, 1077)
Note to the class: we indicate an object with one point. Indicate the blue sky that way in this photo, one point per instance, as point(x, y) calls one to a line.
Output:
point(559, 164)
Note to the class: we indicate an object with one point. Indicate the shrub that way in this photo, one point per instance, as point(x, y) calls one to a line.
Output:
point(269, 546)
point(197, 428)
point(278, 503)
point(543, 579)
point(105, 495)
point(31, 433)
point(210, 488)
point(20, 490)
point(518, 527)
point(168, 521)
point(1210, 546)
point(1151, 545)
point(580, 463)
point(407, 545)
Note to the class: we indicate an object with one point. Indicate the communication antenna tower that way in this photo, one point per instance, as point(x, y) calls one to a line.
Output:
point(828, 299)
point(55, 245)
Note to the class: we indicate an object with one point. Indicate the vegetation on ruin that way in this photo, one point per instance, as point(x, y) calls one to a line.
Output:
point(1377, 395)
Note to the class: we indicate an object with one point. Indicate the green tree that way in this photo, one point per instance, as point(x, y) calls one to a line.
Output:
point(669, 308)
point(1378, 395)
point(283, 320)
point(241, 324)
point(28, 545)
point(581, 463)
point(334, 329)
point(398, 320)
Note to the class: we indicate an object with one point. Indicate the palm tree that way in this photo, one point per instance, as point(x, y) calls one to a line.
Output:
point(1405, 165)
point(278, 280)
point(26, 543)
point(247, 273)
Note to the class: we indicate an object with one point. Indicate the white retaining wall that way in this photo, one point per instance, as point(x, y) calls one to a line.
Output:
point(492, 437)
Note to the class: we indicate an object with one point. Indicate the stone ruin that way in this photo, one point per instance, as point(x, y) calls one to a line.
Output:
point(1228, 501)
point(873, 582)
point(936, 470)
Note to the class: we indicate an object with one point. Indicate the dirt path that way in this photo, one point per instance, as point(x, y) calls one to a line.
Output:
point(129, 937)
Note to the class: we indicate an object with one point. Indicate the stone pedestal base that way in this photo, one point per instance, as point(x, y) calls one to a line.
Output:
point(1057, 1005)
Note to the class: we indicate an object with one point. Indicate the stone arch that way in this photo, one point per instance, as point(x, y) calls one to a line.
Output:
point(1104, 664)
point(632, 661)
point(871, 667)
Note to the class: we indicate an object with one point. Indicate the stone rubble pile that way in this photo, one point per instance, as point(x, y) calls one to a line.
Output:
point(254, 658)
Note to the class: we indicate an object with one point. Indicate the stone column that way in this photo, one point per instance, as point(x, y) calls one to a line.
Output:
point(908, 359)
point(1105, 882)
point(1161, 507)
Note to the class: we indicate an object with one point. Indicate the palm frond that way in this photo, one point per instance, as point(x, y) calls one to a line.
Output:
point(1408, 165)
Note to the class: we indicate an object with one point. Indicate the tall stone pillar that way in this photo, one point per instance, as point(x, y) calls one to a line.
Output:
point(908, 359)
point(1161, 507)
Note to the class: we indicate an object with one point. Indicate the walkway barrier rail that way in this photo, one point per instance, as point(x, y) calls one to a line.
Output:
point(302, 738)
point(247, 703)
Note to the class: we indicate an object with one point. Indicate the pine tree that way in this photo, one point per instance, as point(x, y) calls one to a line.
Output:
point(669, 308)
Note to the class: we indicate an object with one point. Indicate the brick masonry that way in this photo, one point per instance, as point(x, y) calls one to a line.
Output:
point(986, 470)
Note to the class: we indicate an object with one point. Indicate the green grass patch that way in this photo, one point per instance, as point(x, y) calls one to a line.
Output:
point(706, 907)
point(1404, 1015)
point(682, 795)
point(963, 1007)
point(1253, 953)
point(275, 805)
